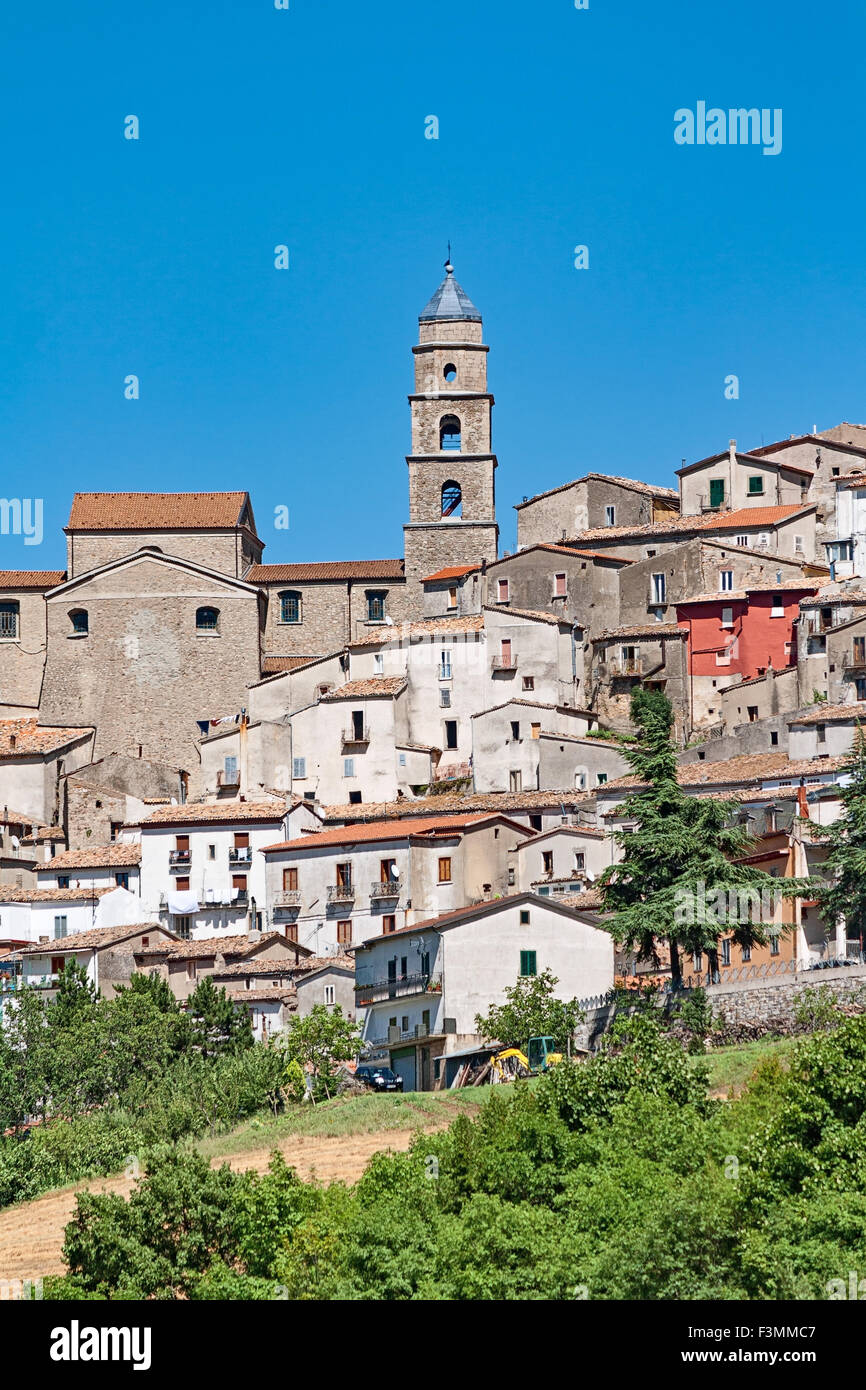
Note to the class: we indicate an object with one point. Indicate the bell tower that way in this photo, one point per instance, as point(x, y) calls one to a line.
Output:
point(452, 509)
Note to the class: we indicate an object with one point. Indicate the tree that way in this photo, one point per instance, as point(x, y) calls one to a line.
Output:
point(319, 1041)
point(531, 1011)
point(842, 894)
point(216, 1025)
point(683, 854)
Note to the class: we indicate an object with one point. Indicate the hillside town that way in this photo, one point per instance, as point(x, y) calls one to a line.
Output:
point(392, 785)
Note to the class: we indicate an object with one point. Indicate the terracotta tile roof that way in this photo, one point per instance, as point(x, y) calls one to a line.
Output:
point(852, 480)
point(233, 948)
point(423, 627)
point(273, 664)
point(366, 689)
point(832, 714)
point(247, 969)
point(644, 630)
point(22, 737)
point(726, 596)
point(44, 832)
point(534, 614)
point(480, 909)
point(95, 939)
point(31, 579)
point(747, 767)
point(8, 817)
point(590, 901)
point(838, 596)
point(208, 812)
point(326, 569)
point(450, 572)
point(592, 831)
point(338, 962)
point(740, 520)
point(534, 704)
point(10, 894)
point(817, 439)
point(397, 828)
point(263, 996)
point(454, 802)
point(648, 489)
point(93, 857)
point(156, 511)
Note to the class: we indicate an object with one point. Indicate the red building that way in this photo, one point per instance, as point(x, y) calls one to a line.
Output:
point(737, 635)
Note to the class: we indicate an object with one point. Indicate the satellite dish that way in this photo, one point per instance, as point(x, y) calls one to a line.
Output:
point(389, 622)
point(395, 872)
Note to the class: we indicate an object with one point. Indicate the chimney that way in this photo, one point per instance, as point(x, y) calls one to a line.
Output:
point(732, 450)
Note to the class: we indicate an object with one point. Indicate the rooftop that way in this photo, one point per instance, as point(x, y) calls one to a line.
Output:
point(423, 627)
point(93, 857)
point(10, 893)
point(157, 511)
point(208, 812)
point(325, 569)
point(450, 572)
point(455, 803)
point(450, 302)
point(741, 520)
point(648, 489)
point(833, 714)
point(31, 579)
point(94, 939)
point(397, 828)
point(365, 689)
point(23, 737)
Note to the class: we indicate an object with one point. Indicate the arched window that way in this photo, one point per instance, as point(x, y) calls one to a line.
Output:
point(452, 499)
point(207, 619)
point(449, 432)
point(80, 624)
point(450, 372)
point(290, 606)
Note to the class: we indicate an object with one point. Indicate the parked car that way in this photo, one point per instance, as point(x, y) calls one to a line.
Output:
point(379, 1078)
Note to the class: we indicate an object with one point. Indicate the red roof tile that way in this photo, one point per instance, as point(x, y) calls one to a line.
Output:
point(31, 579)
point(156, 511)
point(372, 831)
point(23, 737)
point(326, 569)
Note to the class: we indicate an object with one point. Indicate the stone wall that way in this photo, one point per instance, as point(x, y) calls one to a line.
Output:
point(216, 550)
point(22, 660)
point(773, 1003)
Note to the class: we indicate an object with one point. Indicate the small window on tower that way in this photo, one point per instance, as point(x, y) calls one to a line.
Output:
point(449, 433)
point(452, 499)
point(450, 372)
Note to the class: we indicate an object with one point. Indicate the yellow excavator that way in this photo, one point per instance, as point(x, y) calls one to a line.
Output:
point(540, 1055)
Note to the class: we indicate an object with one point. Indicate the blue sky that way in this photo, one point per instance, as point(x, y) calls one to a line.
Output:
point(306, 127)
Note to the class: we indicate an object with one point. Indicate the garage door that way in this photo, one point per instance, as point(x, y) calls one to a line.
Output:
point(403, 1063)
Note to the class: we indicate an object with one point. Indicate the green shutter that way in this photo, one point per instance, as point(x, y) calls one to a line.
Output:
point(527, 963)
point(717, 492)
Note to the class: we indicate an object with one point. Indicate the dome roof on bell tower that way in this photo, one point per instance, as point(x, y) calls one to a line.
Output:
point(449, 302)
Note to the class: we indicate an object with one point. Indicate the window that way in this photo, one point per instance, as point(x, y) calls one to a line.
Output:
point(756, 485)
point(378, 664)
point(697, 960)
point(535, 731)
point(449, 440)
point(834, 472)
point(579, 861)
point(511, 877)
point(742, 541)
point(291, 931)
point(389, 924)
point(9, 614)
point(329, 994)
point(601, 778)
point(650, 554)
point(348, 767)
point(778, 609)
point(774, 738)
point(547, 861)
point(80, 623)
point(344, 875)
point(535, 821)
point(580, 779)
point(445, 664)
point(798, 545)
point(445, 870)
point(62, 880)
point(207, 619)
point(726, 951)
point(122, 880)
point(727, 617)
point(610, 516)
point(290, 879)
point(746, 954)
point(726, 580)
point(452, 600)
point(515, 780)
point(505, 653)
point(860, 687)
point(449, 371)
point(60, 929)
point(182, 884)
point(354, 797)
point(774, 944)
point(299, 767)
point(659, 588)
point(57, 964)
point(528, 963)
point(821, 732)
point(401, 759)
point(717, 492)
point(502, 590)
point(560, 583)
point(515, 729)
point(182, 927)
point(451, 733)
point(290, 606)
point(528, 682)
point(375, 605)
point(344, 933)
point(444, 697)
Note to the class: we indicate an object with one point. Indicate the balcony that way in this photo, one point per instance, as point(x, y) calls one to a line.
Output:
point(355, 736)
point(385, 888)
point(378, 991)
point(627, 666)
point(707, 503)
point(287, 903)
point(242, 855)
point(179, 859)
point(503, 662)
point(242, 898)
point(341, 892)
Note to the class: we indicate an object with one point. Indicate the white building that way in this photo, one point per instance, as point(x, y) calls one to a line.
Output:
point(99, 866)
point(423, 986)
